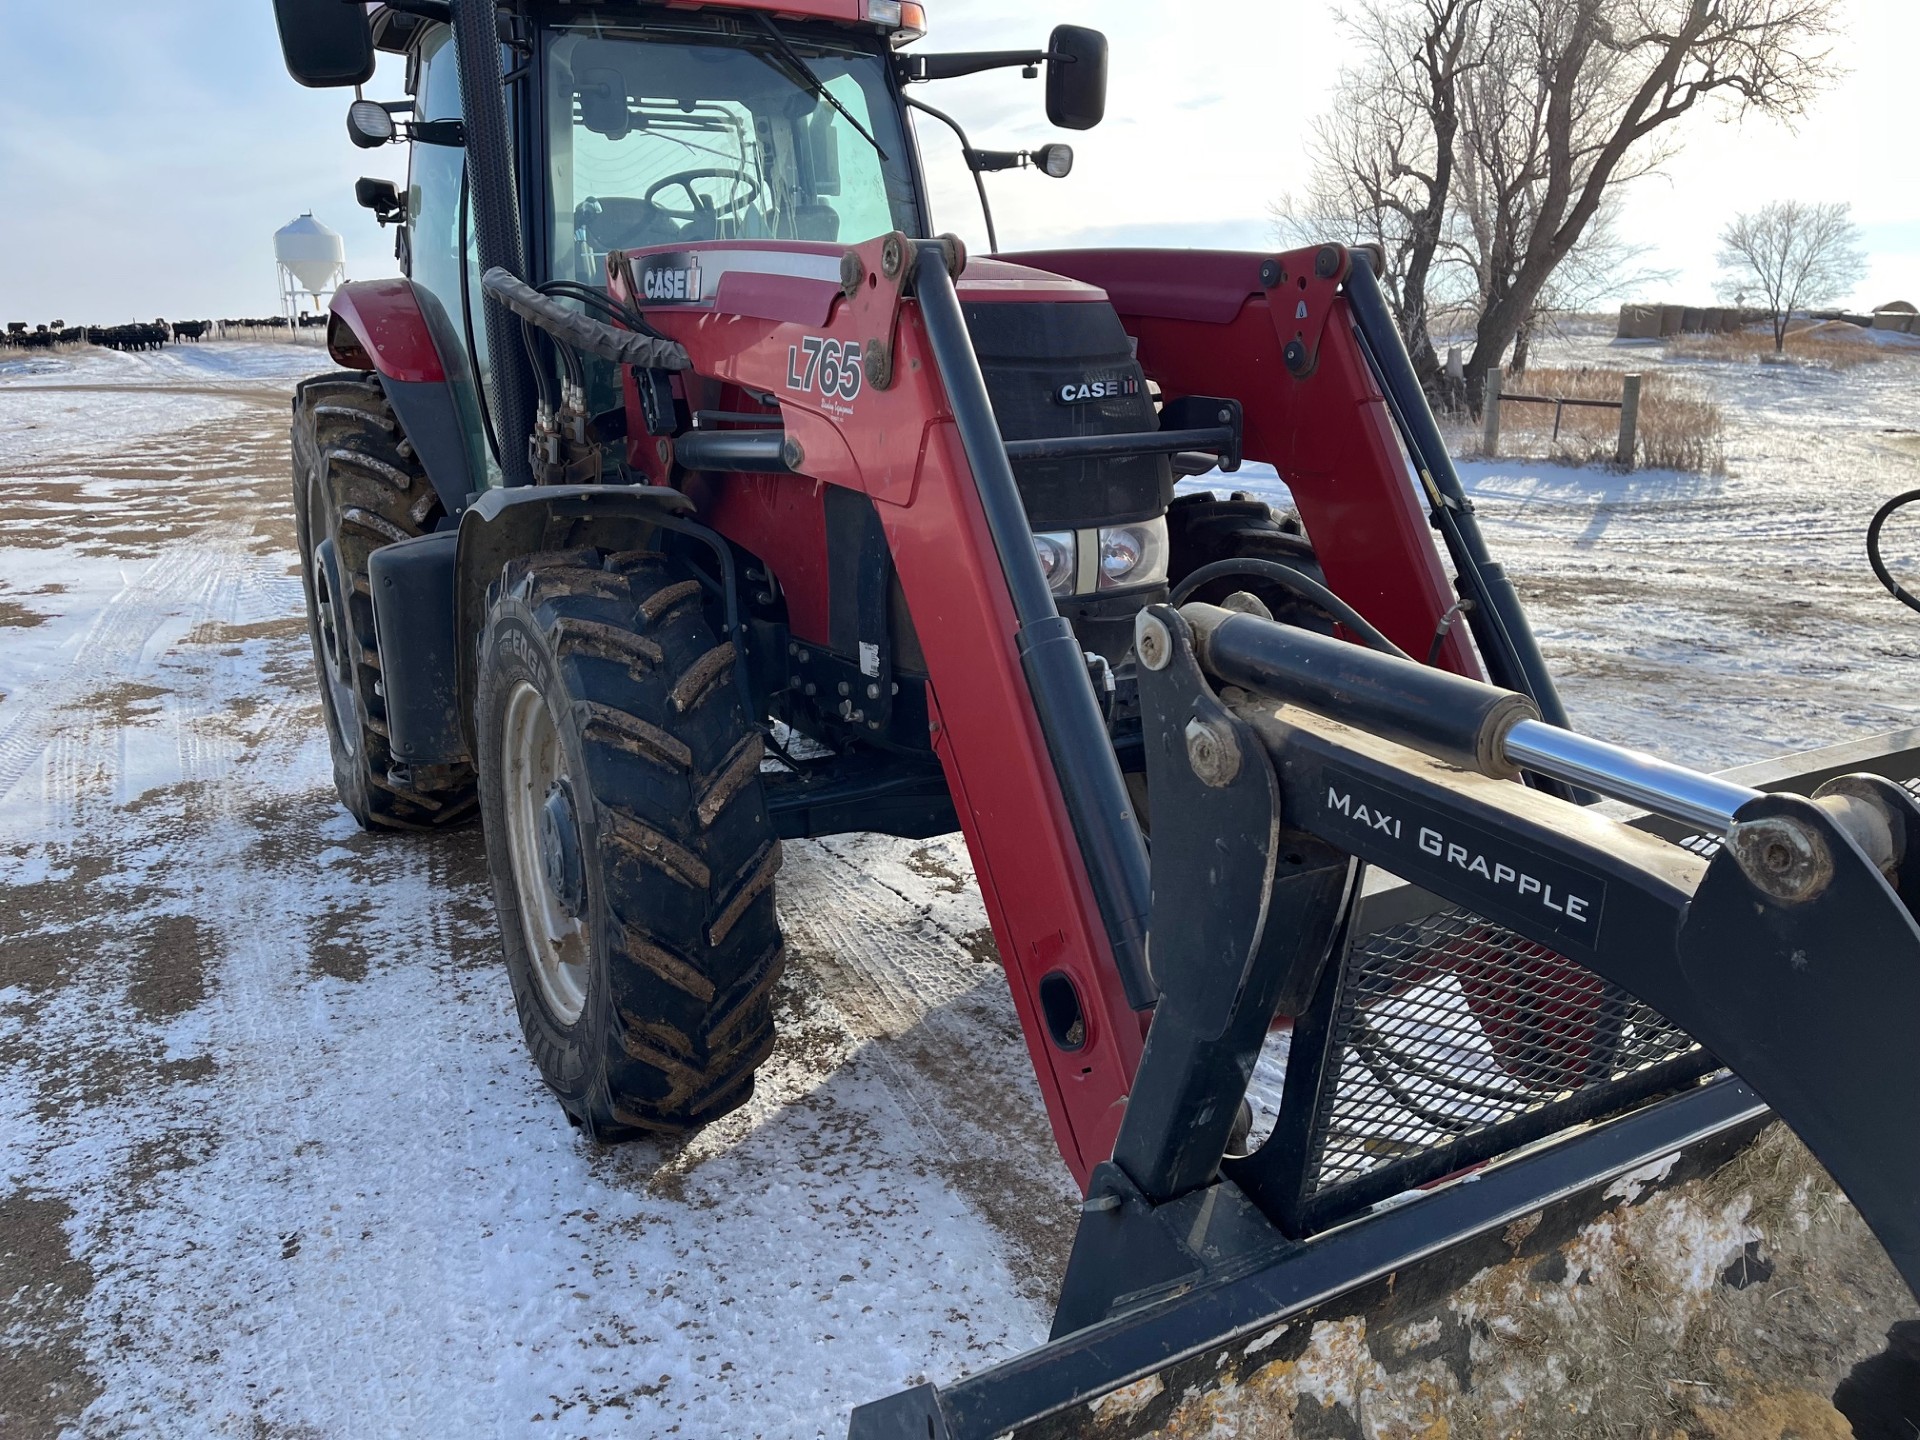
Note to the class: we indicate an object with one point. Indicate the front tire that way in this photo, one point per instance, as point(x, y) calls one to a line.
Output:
point(630, 847)
point(1202, 529)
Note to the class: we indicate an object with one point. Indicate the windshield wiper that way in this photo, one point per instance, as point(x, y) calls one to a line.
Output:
point(795, 65)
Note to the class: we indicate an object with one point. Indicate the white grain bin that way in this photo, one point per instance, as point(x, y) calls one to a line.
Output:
point(313, 255)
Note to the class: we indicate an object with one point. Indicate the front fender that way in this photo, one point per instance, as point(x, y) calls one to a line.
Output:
point(400, 330)
point(502, 524)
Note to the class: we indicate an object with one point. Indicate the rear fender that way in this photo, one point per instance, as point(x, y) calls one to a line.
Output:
point(399, 330)
point(502, 524)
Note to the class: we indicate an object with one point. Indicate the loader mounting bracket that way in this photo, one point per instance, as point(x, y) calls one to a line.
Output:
point(1301, 301)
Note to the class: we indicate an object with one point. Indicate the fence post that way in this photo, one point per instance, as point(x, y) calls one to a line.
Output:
point(1490, 413)
point(1629, 421)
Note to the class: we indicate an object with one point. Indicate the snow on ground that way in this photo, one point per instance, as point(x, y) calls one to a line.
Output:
point(153, 392)
point(272, 1158)
point(1717, 620)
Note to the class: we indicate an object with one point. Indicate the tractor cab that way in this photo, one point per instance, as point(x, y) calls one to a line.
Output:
point(645, 126)
point(677, 132)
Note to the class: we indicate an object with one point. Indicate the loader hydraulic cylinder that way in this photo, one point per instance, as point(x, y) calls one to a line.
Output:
point(1498, 620)
point(1476, 726)
point(1639, 779)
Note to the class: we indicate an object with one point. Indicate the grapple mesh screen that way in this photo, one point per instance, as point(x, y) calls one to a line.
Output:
point(1450, 1025)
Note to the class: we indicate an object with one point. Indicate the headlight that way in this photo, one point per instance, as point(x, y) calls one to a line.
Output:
point(1058, 555)
point(1133, 554)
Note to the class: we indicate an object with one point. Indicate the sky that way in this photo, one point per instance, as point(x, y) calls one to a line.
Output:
point(148, 152)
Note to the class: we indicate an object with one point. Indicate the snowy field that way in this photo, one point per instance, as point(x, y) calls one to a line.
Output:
point(272, 1159)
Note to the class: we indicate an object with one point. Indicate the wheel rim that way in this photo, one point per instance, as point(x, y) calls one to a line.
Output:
point(543, 843)
point(328, 618)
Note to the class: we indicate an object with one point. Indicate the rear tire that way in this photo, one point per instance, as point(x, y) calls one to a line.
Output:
point(629, 842)
point(357, 485)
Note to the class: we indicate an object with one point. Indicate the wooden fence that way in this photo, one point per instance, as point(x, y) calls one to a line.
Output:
point(1628, 405)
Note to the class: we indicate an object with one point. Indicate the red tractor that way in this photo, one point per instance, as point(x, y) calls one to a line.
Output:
point(687, 495)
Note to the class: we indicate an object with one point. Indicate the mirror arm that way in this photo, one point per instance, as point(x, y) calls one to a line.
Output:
point(966, 62)
point(978, 160)
point(438, 132)
point(966, 149)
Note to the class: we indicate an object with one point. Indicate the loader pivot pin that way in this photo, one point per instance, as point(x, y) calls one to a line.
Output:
point(1782, 858)
point(1151, 642)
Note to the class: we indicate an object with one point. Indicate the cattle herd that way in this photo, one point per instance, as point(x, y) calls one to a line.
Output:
point(151, 335)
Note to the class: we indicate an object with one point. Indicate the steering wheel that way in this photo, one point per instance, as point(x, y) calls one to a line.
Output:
point(684, 179)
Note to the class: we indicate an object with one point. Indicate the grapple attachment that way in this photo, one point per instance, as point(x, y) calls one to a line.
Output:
point(1541, 999)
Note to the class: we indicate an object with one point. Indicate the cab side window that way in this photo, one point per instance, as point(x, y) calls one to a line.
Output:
point(435, 180)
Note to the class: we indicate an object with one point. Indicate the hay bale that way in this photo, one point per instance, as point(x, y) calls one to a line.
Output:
point(1693, 321)
point(1670, 318)
point(1639, 322)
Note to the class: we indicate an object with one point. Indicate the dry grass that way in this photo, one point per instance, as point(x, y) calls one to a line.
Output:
point(1832, 343)
point(1680, 428)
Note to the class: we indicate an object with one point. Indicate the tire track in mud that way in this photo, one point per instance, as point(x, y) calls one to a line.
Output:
point(177, 584)
point(212, 564)
point(179, 850)
point(240, 1208)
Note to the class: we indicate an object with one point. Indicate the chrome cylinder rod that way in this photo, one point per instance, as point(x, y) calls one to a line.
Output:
point(1465, 722)
point(1629, 775)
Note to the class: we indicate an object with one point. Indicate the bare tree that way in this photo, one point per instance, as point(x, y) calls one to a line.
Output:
point(1608, 77)
point(1602, 263)
point(1552, 105)
point(1791, 254)
point(1384, 154)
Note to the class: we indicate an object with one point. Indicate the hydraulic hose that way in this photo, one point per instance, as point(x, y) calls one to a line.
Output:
point(1881, 573)
point(496, 224)
point(1305, 586)
point(1498, 621)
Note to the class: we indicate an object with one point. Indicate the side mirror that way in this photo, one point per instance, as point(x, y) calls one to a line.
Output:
point(325, 43)
point(1076, 77)
point(603, 102)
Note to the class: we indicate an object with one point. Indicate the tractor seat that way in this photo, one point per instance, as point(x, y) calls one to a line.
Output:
point(624, 222)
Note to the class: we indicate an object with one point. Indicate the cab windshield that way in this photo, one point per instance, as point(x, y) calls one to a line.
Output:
point(670, 134)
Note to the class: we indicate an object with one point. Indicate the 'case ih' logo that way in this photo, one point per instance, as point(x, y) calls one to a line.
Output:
point(667, 278)
point(1081, 392)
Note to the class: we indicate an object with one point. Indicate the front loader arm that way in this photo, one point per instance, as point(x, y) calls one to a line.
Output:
point(1305, 342)
point(878, 393)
